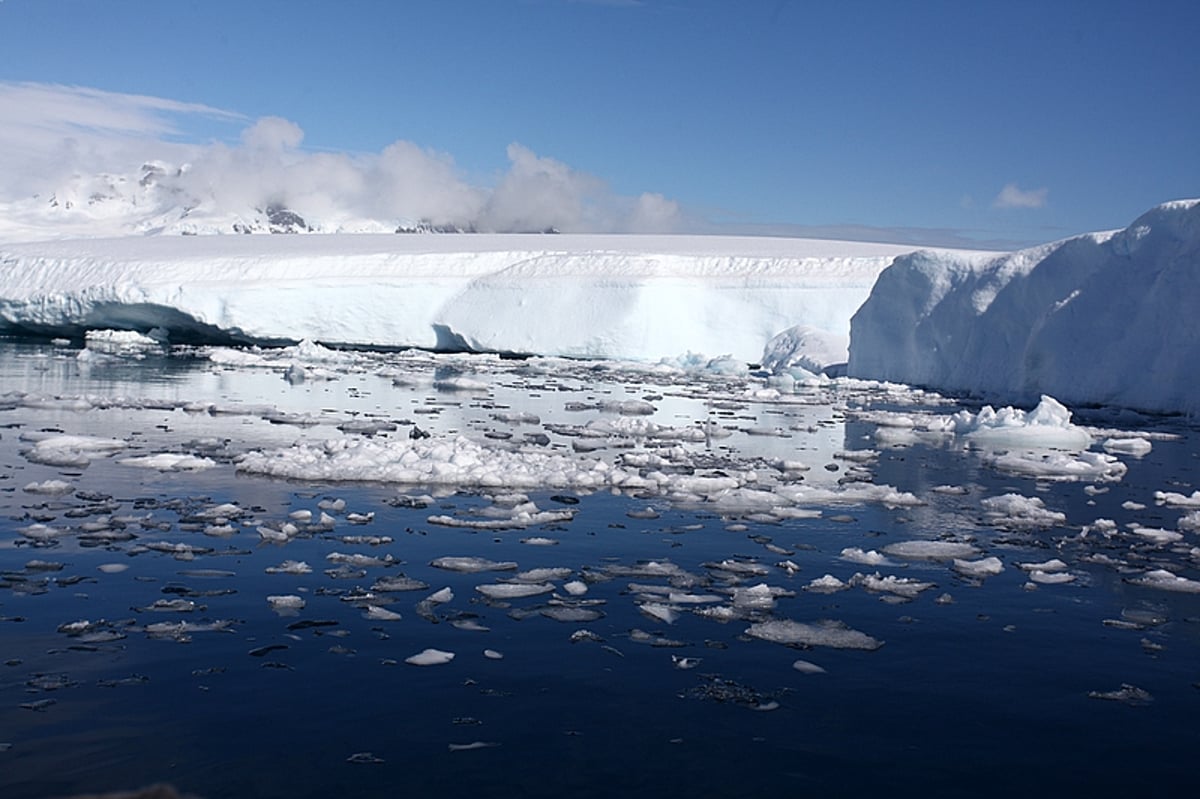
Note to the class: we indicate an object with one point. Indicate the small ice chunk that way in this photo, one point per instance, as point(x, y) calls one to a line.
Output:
point(113, 568)
point(469, 564)
point(473, 746)
point(1052, 565)
point(984, 567)
point(1135, 446)
point(430, 657)
point(170, 462)
point(833, 634)
point(1167, 581)
point(285, 602)
point(826, 585)
point(1050, 578)
point(543, 574)
point(931, 550)
point(377, 613)
point(1156, 535)
point(290, 567)
point(867, 558)
point(659, 611)
point(575, 587)
point(514, 590)
point(807, 667)
point(50, 488)
point(1126, 694)
point(492, 654)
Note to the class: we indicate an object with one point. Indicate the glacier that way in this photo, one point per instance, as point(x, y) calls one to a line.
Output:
point(635, 297)
point(1100, 319)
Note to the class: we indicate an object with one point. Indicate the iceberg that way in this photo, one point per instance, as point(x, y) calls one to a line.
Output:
point(1103, 318)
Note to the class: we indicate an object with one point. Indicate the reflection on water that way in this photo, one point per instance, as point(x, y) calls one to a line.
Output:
point(139, 645)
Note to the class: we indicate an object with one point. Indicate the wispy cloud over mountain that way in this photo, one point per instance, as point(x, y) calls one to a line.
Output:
point(60, 137)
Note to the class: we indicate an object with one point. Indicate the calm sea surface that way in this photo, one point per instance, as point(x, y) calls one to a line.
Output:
point(138, 645)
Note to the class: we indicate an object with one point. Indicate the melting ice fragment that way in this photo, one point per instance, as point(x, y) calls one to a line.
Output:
point(1015, 511)
point(56, 449)
point(170, 462)
point(377, 613)
point(285, 603)
point(430, 657)
point(1167, 581)
point(931, 550)
point(514, 590)
point(807, 667)
point(473, 745)
point(833, 634)
point(470, 564)
point(290, 567)
point(50, 488)
point(1126, 694)
point(984, 567)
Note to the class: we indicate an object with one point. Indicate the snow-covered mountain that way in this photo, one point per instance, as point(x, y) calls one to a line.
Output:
point(161, 199)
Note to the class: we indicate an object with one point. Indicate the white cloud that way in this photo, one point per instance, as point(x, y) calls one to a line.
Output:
point(1012, 196)
point(55, 134)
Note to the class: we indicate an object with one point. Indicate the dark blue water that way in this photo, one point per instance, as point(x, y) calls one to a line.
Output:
point(986, 695)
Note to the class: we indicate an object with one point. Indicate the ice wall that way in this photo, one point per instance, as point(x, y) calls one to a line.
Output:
point(633, 297)
point(1105, 318)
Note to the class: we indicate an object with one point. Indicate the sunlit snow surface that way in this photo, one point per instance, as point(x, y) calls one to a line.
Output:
point(302, 572)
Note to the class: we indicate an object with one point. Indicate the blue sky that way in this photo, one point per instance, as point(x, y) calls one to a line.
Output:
point(1021, 121)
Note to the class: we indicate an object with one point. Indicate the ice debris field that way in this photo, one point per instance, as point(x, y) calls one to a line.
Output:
point(302, 514)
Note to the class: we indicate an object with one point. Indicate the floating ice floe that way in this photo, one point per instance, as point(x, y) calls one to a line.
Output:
point(833, 634)
point(430, 657)
point(983, 567)
point(828, 584)
point(1126, 694)
point(931, 550)
point(1020, 512)
point(866, 558)
point(169, 462)
point(807, 667)
point(50, 488)
point(1173, 499)
point(449, 461)
point(286, 604)
point(1167, 581)
point(57, 449)
point(1135, 446)
point(1046, 426)
point(902, 587)
point(514, 590)
point(1096, 467)
point(472, 564)
point(290, 567)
